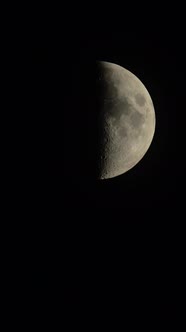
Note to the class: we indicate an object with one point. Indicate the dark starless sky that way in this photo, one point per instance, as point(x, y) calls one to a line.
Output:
point(137, 217)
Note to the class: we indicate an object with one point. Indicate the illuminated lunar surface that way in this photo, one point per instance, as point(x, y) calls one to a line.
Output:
point(127, 119)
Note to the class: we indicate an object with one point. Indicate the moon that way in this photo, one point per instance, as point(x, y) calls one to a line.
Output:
point(126, 119)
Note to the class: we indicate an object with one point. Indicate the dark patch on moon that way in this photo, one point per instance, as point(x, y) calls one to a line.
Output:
point(137, 119)
point(106, 87)
point(122, 132)
point(117, 109)
point(140, 99)
point(109, 90)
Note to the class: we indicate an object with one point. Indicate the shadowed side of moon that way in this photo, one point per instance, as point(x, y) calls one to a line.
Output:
point(126, 119)
point(81, 147)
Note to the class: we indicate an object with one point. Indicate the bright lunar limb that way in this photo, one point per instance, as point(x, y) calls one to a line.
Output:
point(126, 122)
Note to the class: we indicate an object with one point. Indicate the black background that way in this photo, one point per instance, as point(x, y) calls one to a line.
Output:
point(117, 243)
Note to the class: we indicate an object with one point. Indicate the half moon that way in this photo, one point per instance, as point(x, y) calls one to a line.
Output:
point(126, 119)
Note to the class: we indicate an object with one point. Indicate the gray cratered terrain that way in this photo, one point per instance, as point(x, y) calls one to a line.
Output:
point(126, 119)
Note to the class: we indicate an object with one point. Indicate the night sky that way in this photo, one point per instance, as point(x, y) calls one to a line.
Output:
point(119, 240)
